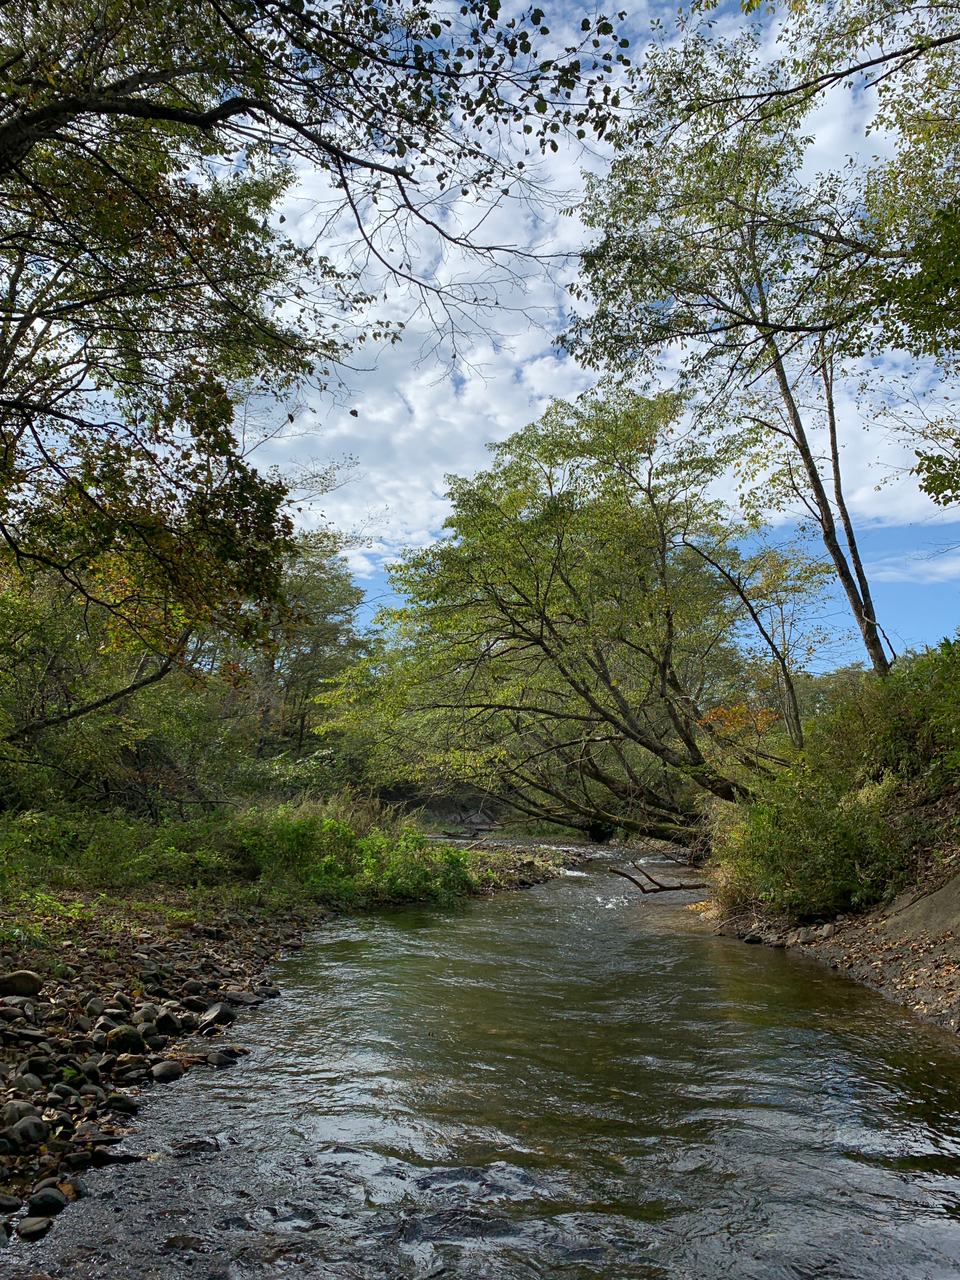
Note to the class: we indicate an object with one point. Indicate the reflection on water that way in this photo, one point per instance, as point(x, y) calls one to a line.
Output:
point(567, 1082)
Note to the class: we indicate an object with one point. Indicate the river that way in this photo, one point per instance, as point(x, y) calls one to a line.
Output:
point(570, 1081)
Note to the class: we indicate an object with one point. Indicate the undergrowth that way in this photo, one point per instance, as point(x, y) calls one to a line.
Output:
point(339, 852)
point(846, 825)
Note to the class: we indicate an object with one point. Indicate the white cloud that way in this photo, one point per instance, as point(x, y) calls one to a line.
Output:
point(420, 416)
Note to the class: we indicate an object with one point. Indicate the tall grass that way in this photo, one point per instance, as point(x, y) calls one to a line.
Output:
point(343, 851)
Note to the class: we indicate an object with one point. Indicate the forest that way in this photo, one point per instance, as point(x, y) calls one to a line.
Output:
point(629, 629)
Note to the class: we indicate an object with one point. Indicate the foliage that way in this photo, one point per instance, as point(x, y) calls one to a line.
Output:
point(719, 254)
point(317, 852)
point(845, 825)
point(147, 289)
point(578, 644)
point(84, 718)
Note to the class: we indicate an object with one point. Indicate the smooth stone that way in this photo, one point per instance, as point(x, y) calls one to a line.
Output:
point(9, 1204)
point(218, 1015)
point(123, 1102)
point(16, 1109)
point(22, 982)
point(95, 1007)
point(125, 1039)
point(27, 1083)
point(47, 1203)
point(237, 995)
point(168, 1024)
point(31, 1130)
point(166, 1072)
point(33, 1228)
point(37, 1066)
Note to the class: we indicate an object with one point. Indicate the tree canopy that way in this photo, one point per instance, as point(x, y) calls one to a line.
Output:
point(147, 289)
point(579, 640)
point(719, 257)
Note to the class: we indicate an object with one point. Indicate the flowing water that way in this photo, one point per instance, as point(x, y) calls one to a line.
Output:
point(567, 1082)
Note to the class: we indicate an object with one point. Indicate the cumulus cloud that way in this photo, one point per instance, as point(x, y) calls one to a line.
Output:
point(424, 409)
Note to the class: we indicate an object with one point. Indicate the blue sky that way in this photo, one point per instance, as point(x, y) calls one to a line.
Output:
point(421, 414)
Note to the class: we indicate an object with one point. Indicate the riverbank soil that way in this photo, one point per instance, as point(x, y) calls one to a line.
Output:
point(908, 951)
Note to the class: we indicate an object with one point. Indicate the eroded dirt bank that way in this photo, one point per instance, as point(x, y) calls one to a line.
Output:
point(908, 951)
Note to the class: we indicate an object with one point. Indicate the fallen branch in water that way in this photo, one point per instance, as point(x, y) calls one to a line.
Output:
point(655, 886)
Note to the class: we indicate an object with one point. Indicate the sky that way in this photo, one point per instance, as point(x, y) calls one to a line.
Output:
point(409, 414)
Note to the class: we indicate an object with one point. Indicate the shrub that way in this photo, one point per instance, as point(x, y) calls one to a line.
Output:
point(843, 827)
point(311, 849)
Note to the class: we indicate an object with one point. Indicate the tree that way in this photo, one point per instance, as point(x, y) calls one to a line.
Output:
point(757, 281)
point(87, 716)
point(144, 293)
point(900, 59)
point(577, 641)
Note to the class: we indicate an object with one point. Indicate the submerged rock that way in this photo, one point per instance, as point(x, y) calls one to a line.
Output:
point(33, 1228)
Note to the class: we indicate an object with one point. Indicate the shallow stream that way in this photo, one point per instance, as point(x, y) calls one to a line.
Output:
point(571, 1082)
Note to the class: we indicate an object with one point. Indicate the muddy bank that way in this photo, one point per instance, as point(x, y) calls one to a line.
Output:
point(908, 951)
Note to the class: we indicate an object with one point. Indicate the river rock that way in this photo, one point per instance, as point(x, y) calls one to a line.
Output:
point(237, 995)
point(95, 1007)
point(9, 1204)
point(16, 1109)
point(33, 1228)
point(218, 1015)
point(47, 1203)
point(123, 1102)
point(166, 1072)
point(37, 1065)
point(22, 982)
point(126, 1039)
point(26, 1083)
point(168, 1024)
point(31, 1131)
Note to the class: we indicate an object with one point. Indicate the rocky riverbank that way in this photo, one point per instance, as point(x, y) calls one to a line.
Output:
point(97, 1003)
point(908, 951)
point(102, 997)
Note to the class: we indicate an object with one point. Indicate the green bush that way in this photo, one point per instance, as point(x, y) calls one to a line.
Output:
point(311, 850)
point(842, 828)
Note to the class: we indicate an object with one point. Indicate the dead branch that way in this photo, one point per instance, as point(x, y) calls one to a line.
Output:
point(655, 886)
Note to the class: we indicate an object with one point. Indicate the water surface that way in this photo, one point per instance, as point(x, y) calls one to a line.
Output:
point(567, 1082)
